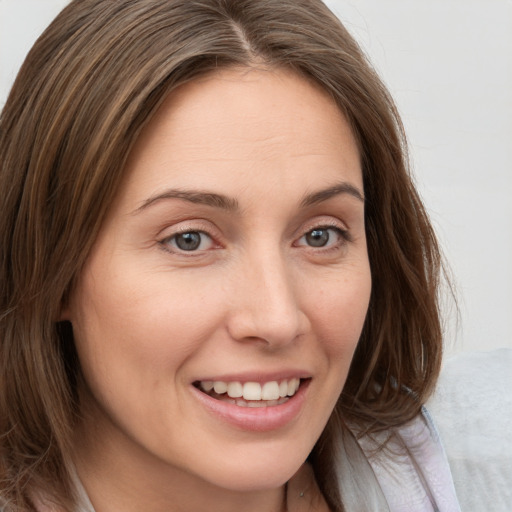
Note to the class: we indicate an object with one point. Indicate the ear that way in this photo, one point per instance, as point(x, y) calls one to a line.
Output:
point(65, 309)
point(65, 315)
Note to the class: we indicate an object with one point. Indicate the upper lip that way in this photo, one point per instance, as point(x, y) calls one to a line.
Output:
point(257, 376)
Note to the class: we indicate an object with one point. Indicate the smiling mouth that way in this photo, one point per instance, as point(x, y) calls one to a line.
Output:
point(251, 394)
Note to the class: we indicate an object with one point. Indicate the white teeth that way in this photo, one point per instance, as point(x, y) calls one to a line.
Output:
point(235, 389)
point(256, 404)
point(269, 392)
point(243, 403)
point(293, 385)
point(207, 385)
point(252, 391)
point(220, 387)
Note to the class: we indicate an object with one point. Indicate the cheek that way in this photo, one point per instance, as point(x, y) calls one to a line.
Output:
point(142, 322)
point(132, 347)
point(338, 309)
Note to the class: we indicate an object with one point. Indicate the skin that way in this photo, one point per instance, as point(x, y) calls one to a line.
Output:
point(255, 298)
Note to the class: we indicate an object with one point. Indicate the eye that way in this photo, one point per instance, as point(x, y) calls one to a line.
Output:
point(189, 241)
point(323, 237)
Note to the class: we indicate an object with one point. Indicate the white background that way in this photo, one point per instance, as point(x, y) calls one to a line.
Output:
point(448, 64)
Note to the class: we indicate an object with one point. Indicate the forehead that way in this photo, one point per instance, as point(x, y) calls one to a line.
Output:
point(240, 124)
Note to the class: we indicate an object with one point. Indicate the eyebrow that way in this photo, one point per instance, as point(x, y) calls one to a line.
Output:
point(193, 196)
point(231, 204)
point(325, 194)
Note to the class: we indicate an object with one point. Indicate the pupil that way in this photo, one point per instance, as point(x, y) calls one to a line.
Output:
point(317, 237)
point(188, 241)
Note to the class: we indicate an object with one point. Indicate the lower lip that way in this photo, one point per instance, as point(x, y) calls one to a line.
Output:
point(257, 419)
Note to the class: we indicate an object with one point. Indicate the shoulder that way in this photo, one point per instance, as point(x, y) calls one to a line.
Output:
point(473, 410)
point(412, 469)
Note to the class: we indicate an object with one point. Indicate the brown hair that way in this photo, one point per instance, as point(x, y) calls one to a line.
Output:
point(86, 89)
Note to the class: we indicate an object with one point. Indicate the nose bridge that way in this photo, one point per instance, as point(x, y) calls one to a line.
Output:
point(266, 305)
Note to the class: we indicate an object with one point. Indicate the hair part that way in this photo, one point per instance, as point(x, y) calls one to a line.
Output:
point(89, 85)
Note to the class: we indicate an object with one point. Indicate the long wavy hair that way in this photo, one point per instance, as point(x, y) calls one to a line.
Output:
point(88, 86)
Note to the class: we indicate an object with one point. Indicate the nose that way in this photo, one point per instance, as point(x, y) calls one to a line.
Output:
point(266, 304)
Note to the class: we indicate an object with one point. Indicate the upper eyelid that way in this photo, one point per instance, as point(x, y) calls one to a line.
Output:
point(343, 233)
point(325, 223)
point(183, 231)
point(203, 226)
point(210, 229)
point(189, 225)
point(169, 245)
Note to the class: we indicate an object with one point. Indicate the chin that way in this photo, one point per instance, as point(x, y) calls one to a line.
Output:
point(268, 469)
point(256, 479)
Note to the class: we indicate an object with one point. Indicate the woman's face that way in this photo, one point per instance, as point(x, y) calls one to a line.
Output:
point(234, 254)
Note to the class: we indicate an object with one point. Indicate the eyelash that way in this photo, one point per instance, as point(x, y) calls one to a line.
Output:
point(343, 234)
point(166, 242)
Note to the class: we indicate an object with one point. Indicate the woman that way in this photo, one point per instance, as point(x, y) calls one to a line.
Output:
point(214, 268)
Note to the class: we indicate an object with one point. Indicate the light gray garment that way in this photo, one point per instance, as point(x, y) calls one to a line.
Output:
point(412, 470)
point(473, 410)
